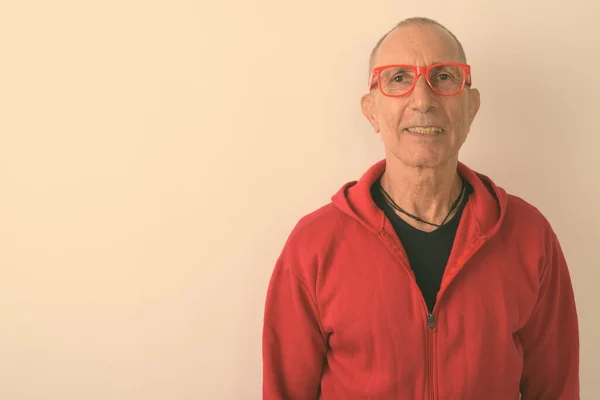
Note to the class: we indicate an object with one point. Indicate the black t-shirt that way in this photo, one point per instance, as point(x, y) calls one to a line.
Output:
point(427, 252)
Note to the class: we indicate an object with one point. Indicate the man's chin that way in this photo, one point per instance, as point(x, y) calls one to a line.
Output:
point(419, 160)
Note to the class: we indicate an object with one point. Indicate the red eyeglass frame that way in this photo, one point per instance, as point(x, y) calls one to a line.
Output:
point(376, 73)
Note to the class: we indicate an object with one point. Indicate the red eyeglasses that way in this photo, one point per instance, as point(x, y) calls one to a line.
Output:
point(445, 79)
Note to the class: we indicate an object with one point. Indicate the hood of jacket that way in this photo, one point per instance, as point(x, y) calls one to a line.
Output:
point(486, 207)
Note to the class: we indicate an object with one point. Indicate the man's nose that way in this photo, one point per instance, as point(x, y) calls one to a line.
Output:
point(423, 99)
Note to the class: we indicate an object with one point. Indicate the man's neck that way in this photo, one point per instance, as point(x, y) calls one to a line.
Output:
point(427, 193)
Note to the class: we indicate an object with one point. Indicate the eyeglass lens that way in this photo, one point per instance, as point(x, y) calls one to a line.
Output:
point(445, 79)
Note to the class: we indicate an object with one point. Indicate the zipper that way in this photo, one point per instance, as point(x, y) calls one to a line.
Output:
point(431, 321)
point(430, 355)
point(430, 326)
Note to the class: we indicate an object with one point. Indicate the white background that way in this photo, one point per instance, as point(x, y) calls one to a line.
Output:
point(154, 156)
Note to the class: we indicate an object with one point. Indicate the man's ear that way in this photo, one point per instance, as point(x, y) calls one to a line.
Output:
point(366, 105)
point(475, 102)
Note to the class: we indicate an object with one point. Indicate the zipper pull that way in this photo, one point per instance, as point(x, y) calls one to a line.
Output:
point(430, 322)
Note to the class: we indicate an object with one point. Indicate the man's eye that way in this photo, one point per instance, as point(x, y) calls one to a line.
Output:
point(398, 78)
point(444, 77)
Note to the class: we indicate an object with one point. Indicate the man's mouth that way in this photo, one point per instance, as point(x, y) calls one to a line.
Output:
point(425, 130)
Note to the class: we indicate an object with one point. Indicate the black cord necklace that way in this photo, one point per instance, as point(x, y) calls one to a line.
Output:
point(392, 203)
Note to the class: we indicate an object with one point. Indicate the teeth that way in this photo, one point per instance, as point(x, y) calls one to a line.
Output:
point(425, 129)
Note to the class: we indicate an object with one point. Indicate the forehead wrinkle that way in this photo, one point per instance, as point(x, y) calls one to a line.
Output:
point(417, 48)
point(457, 46)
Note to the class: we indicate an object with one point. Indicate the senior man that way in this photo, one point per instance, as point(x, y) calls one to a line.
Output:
point(422, 279)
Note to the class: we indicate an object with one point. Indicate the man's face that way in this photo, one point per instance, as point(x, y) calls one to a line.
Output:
point(420, 45)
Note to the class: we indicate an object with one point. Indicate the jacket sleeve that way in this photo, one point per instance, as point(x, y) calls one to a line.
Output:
point(550, 338)
point(294, 346)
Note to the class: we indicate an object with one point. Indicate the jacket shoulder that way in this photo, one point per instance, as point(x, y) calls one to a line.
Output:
point(528, 225)
point(313, 237)
point(316, 226)
point(524, 211)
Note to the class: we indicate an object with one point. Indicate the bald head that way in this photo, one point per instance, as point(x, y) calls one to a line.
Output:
point(416, 21)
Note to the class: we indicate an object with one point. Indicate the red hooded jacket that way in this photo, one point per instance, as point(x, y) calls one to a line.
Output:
point(345, 319)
